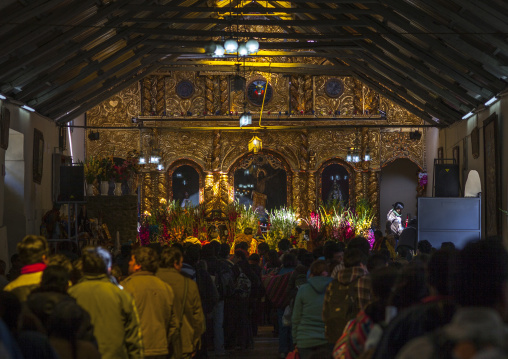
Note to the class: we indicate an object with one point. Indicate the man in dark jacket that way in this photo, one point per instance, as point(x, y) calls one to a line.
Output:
point(186, 293)
point(154, 301)
point(112, 309)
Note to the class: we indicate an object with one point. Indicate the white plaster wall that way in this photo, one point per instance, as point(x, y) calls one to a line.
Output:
point(78, 140)
point(431, 145)
point(14, 193)
point(398, 184)
point(37, 197)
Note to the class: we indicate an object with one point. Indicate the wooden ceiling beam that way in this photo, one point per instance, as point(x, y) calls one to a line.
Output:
point(30, 89)
point(385, 75)
point(29, 34)
point(64, 43)
point(35, 8)
point(440, 51)
point(319, 45)
point(162, 9)
point(450, 37)
point(71, 111)
point(47, 101)
point(199, 53)
point(251, 34)
point(104, 80)
point(248, 22)
point(421, 81)
point(469, 25)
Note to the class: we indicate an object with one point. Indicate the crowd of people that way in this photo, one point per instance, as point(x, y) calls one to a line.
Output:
point(341, 301)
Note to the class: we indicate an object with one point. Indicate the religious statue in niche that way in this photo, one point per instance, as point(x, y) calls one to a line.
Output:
point(260, 185)
point(185, 186)
point(335, 185)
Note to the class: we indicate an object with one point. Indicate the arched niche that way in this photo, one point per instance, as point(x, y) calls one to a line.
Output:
point(399, 182)
point(186, 176)
point(263, 176)
point(335, 180)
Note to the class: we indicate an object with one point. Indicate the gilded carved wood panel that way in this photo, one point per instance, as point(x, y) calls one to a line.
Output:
point(216, 151)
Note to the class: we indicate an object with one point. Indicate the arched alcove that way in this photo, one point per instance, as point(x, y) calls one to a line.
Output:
point(261, 180)
point(335, 181)
point(398, 182)
point(186, 180)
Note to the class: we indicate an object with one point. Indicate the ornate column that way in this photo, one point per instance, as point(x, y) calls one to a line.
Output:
point(359, 193)
point(162, 186)
point(373, 195)
point(208, 193)
point(146, 192)
point(297, 199)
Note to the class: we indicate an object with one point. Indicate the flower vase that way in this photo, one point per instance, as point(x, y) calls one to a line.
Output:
point(89, 189)
point(118, 189)
point(104, 188)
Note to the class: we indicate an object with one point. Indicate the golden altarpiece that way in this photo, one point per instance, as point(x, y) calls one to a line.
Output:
point(305, 127)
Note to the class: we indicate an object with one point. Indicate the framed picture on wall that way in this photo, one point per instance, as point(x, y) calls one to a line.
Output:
point(5, 122)
point(456, 154)
point(492, 177)
point(475, 142)
point(38, 156)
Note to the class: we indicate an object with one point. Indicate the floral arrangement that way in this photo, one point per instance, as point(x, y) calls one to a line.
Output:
point(171, 223)
point(127, 169)
point(93, 169)
point(106, 164)
point(283, 223)
point(422, 179)
point(240, 217)
point(334, 222)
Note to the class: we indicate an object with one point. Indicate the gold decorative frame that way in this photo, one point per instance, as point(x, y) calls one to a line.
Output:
point(289, 174)
point(185, 162)
point(319, 173)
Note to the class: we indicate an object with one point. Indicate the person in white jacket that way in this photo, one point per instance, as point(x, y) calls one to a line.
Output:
point(394, 218)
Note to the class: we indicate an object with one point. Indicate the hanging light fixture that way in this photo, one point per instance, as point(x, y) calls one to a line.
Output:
point(219, 50)
point(242, 49)
point(230, 46)
point(255, 144)
point(252, 46)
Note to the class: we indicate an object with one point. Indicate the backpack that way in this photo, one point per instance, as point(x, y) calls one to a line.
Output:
point(242, 285)
point(224, 280)
point(339, 307)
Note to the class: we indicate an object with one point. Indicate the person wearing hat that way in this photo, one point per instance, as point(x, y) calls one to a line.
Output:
point(395, 220)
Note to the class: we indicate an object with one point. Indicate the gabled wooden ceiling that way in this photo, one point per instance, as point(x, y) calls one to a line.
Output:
point(438, 59)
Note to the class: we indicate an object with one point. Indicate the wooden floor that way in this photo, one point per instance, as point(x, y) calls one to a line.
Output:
point(265, 347)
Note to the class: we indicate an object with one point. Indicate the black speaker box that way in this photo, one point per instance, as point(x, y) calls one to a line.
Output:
point(447, 180)
point(72, 180)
